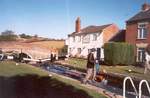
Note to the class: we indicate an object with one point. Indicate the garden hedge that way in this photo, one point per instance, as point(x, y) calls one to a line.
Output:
point(119, 53)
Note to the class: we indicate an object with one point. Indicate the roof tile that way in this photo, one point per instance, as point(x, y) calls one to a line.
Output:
point(142, 15)
point(91, 29)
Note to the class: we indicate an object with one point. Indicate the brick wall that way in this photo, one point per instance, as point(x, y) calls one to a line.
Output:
point(109, 32)
point(131, 34)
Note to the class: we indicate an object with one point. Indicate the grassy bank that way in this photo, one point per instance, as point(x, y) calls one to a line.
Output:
point(26, 81)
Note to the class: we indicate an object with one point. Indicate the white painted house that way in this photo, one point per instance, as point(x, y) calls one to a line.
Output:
point(82, 40)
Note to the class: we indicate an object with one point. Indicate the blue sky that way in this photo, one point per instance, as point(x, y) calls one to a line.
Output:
point(56, 18)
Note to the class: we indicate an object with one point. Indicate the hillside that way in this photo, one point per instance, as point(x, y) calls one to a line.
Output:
point(40, 49)
point(42, 44)
point(50, 44)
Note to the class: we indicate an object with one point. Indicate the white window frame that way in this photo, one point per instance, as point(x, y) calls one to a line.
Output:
point(79, 50)
point(139, 50)
point(141, 30)
point(73, 38)
point(86, 38)
point(95, 37)
point(79, 38)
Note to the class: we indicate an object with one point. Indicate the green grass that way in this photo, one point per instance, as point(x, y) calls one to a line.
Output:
point(10, 69)
point(78, 63)
point(136, 71)
point(76, 84)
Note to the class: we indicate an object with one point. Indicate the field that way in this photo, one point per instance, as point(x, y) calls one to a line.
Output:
point(42, 44)
point(26, 81)
point(50, 44)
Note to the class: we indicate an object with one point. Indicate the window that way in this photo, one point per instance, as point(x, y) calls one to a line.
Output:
point(94, 37)
point(86, 39)
point(140, 54)
point(142, 31)
point(79, 50)
point(74, 39)
point(70, 50)
point(89, 50)
point(79, 38)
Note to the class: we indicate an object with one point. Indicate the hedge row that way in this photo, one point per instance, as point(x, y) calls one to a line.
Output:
point(118, 53)
point(8, 37)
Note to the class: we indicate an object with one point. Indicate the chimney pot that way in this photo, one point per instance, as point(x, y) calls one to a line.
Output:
point(145, 7)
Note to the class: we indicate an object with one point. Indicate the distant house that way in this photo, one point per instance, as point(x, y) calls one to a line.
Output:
point(82, 40)
point(138, 31)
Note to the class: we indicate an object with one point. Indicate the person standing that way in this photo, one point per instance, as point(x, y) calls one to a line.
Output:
point(51, 58)
point(147, 62)
point(97, 66)
point(147, 59)
point(90, 66)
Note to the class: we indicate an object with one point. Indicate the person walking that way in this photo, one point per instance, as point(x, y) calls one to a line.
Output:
point(52, 58)
point(90, 66)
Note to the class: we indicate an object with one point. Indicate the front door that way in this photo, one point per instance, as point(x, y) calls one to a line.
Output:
point(98, 56)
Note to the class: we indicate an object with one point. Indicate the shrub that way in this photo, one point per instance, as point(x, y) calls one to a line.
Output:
point(63, 50)
point(25, 36)
point(118, 53)
point(8, 37)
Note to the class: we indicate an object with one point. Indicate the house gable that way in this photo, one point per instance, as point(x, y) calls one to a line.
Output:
point(137, 31)
point(109, 32)
point(143, 15)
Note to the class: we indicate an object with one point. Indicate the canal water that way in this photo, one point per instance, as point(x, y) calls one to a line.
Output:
point(72, 73)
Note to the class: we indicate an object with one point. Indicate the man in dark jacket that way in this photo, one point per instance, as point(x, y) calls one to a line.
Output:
point(90, 65)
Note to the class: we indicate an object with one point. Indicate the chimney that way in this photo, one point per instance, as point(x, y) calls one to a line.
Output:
point(78, 25)
point(145, 7)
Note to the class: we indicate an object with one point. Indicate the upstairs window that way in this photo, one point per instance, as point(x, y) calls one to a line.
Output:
point(94, 37)
point(86, 39)
point(142, 31)
point(74, 39)
point(79, 38)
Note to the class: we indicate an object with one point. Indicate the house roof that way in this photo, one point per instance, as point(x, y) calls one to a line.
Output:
point(91, 29)
point(119, 37)
point(142, 15)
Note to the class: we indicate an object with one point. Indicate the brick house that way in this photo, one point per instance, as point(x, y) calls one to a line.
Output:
point(119, 37)
point(138, 31)
point(82, 40)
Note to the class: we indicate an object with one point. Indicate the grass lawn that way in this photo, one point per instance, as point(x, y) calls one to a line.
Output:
point(26, 81)
point(136, 71)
